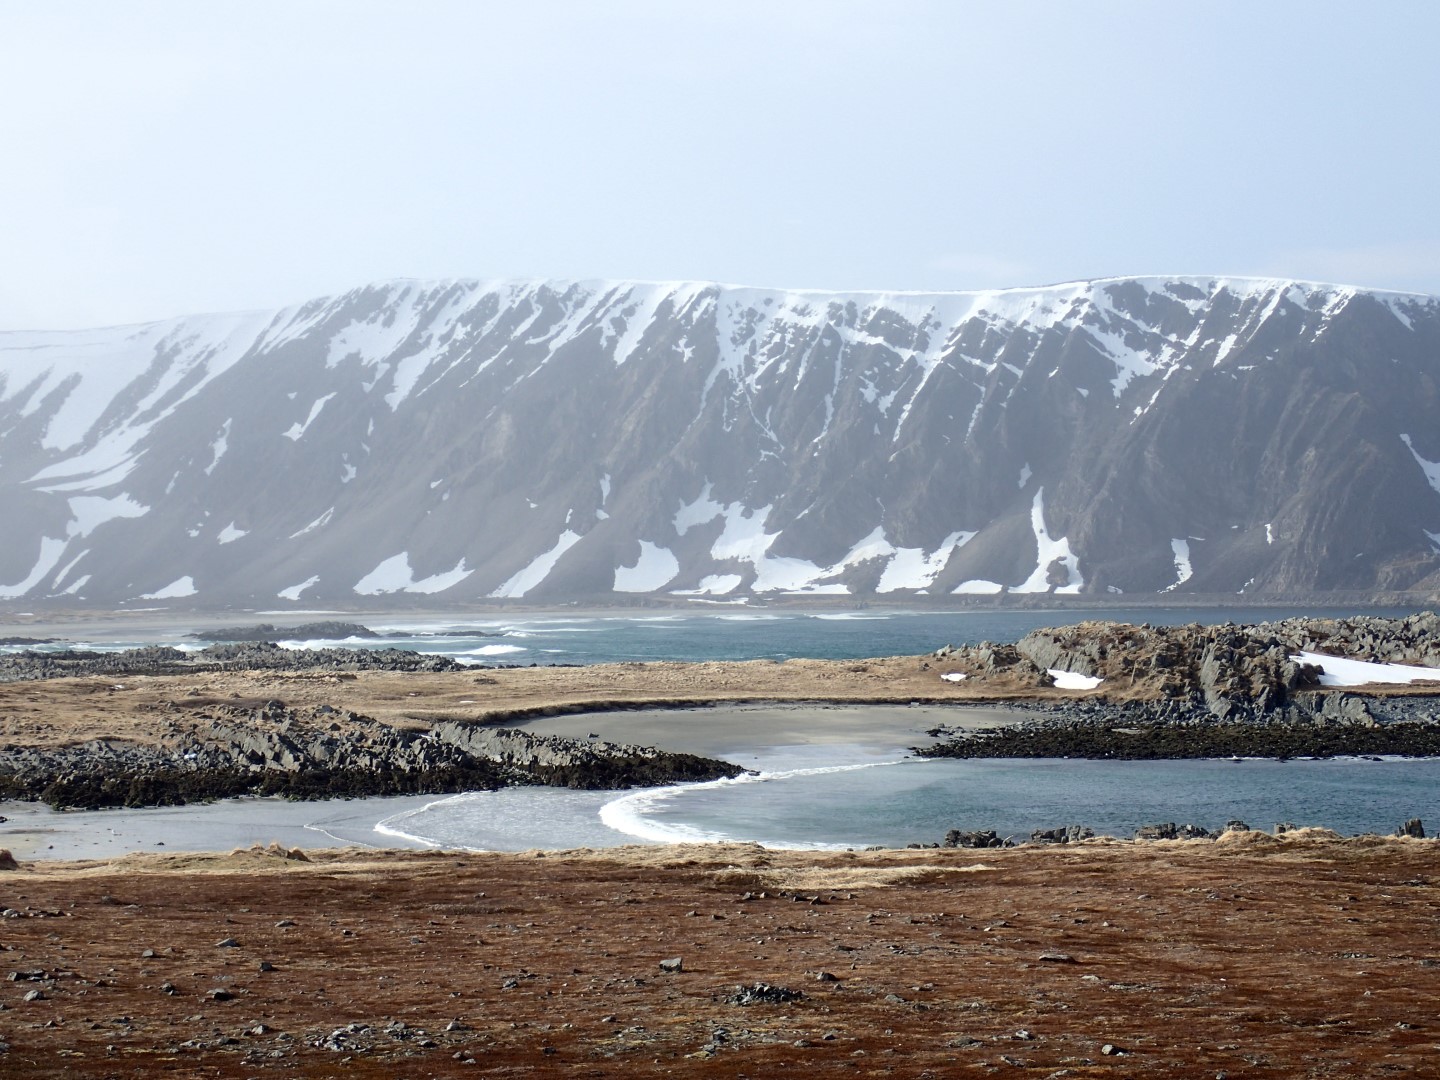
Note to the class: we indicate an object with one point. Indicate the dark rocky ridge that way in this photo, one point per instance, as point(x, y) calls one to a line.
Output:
point(270, 749)
point(329, 630)
point(239, 656)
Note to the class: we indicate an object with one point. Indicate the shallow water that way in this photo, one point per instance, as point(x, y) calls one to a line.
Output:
point(918, 801)
point(840, 797)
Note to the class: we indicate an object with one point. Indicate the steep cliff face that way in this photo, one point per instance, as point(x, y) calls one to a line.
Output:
point(458, 441)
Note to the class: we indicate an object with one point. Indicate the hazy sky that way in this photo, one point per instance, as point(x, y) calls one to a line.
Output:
point(171, 157)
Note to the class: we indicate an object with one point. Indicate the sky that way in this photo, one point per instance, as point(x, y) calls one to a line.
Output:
point(166, 157)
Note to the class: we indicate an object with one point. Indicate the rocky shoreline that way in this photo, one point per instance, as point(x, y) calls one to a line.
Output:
point(1163, 692)
point(269, 748)
point(33, 665)
point(1208, 692)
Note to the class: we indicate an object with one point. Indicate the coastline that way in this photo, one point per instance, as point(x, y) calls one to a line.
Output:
point(747, 735)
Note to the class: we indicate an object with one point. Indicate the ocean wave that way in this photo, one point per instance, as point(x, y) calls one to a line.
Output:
point(391, 826)
point(491, 650)
point(313, 644)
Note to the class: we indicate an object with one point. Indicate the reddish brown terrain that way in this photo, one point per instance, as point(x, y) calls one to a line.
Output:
point(1302, 955)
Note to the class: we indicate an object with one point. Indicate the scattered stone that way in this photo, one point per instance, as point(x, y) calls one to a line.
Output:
point(35, 995)
point(1111, 1050)
point(266, 965)
point(764, 994)
point(1057, 958)
point(1069, 834)
point(675, 963)
point(987, 839)
point(227, 943)
point(1170, 831)
point(220, 995)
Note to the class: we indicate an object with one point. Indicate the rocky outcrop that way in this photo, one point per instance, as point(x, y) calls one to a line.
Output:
point(1203, 674)
point(275, 750)
point(328, 630)
point(240, 656)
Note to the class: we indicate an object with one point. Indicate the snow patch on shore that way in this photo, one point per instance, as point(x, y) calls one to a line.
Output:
point(1073, 680)
point(1342, 671)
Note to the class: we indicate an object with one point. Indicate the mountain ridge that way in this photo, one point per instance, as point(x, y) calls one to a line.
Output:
point(552, 440)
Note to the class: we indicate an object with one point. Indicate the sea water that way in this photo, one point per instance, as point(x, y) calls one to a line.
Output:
point(836, 797)
point(752, 634)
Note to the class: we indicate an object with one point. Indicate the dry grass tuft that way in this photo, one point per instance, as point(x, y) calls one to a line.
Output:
point(820, 878)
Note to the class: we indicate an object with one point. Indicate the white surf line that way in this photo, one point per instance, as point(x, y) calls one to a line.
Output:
point(313, 826)
point(389, 827)
point(629, 814)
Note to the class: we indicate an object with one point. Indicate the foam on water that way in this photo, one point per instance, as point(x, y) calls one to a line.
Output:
point(493, 650)
point(633, 813)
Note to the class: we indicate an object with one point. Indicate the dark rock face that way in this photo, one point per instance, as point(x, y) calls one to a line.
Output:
point(444, 443)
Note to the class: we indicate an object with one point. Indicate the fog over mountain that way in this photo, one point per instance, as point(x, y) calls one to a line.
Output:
point(447, 442)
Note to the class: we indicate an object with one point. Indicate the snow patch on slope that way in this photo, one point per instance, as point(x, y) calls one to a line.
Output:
point(299, 429)
point(394, 575)
point(1051, 551)
point(51, 550)
point(219, 446)
point(712, 585)
point(1430, 468)
point(176, 590)
point(538, 569)
point(655, 569)
point(89, 512)
point(294, 591)
point(1180, 548)
point(914, 568)
point(978, 587)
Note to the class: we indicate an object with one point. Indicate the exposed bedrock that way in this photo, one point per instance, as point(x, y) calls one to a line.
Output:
point(234, 656)
point(1222, 672)
point(275, 750)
